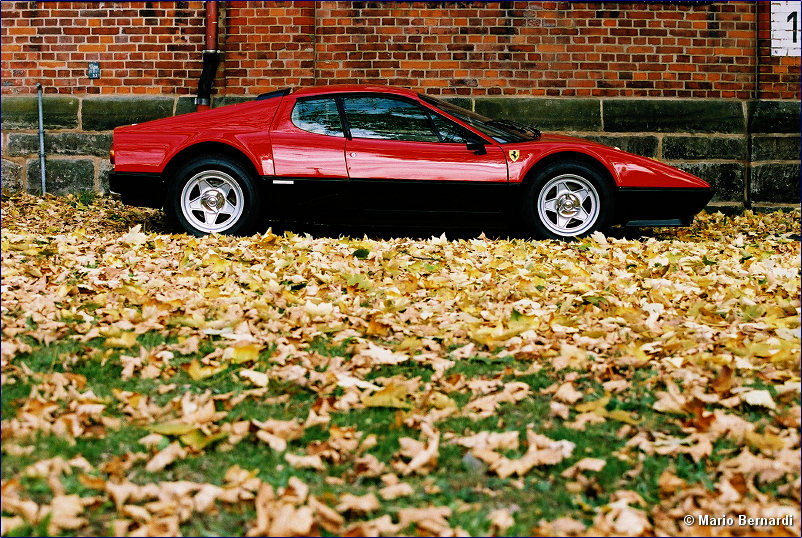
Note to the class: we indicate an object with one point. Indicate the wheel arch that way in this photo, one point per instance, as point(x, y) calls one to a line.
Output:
point(208, 149)
point(575, 156)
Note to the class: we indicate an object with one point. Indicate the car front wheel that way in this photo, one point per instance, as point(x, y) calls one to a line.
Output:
point(567, 200)
point(214, 195)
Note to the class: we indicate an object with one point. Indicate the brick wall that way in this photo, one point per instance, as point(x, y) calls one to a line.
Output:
point(267, 46)
point(142, 47)
point(778, 76)
point(693, 83)
point(565, 49)
point(612, 49)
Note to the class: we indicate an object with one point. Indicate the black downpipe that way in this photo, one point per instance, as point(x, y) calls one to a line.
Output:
point(211, 59)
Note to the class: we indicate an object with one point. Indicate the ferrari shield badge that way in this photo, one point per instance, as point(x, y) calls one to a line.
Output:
point(514, 154)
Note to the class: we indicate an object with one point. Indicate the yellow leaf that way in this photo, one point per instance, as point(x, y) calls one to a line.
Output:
point(246, 353)
point(125, 340)
point(198, 372)
point(767, 441)
point(392, 395)
point(130, 398)
point(440, 401)
point(593, 406)
point(172, 428)
point(621, 415)
point(197, 440)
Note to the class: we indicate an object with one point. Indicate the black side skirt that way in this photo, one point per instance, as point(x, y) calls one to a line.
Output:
point(372, 201)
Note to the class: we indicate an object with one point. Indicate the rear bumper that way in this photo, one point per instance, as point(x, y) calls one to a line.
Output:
point(661, 206)
point(138, 189)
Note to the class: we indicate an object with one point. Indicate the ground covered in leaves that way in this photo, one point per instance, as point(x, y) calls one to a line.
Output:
point(159, 384)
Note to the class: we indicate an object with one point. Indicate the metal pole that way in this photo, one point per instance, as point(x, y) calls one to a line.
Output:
point(41, 138)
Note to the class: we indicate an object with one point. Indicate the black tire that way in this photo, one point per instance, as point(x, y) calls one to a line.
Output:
point(214, 194)
point(583, 196)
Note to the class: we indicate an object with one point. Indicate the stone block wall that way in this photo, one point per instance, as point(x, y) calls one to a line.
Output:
point(694, 84)
point(748, 150)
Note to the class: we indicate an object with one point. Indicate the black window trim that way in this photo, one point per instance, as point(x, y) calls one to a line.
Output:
point(338, 98)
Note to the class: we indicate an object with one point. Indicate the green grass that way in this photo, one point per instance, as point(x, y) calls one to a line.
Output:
point(546, 495)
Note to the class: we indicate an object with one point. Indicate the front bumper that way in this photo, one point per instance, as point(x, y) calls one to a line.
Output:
point(138, 189)
point(661, 206)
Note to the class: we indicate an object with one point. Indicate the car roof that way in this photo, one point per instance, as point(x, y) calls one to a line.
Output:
point(353, 88)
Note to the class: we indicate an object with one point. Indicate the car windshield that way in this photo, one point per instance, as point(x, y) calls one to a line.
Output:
point(502, 131)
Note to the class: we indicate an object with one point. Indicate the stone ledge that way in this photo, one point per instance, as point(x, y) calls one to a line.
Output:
point(22, 112)
point(666, 116)
point(184, 105)
point(774, 116)
point(639, 145)
point(217, 102)
point(11, 178)
point(106, 113)
point(545, 114)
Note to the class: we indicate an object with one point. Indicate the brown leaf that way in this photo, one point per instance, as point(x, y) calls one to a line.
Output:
point(500, 520)
point(723, 381)
point(402, 489)
point(162, 459)
point(670, 483)
point(305, 462)
point(361, 505)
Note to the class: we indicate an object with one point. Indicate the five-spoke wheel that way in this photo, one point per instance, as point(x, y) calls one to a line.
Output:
point(212, 201)
point(568, 205)
point(567, 199)
point(214, 195)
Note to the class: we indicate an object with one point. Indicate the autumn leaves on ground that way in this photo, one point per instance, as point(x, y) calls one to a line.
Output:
point(158, 384)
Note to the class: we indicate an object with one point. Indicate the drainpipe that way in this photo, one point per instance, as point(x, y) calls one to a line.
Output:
point(751, 111)
point(41, 137)
point(211, 58)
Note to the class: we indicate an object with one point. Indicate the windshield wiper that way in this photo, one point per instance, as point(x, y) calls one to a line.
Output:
point(517, 126)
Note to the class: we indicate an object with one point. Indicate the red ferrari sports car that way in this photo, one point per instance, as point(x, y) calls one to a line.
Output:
point(368, 152)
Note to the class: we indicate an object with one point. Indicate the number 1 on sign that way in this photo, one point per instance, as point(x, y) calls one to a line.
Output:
point(794, 15)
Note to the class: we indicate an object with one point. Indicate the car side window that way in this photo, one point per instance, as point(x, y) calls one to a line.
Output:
point(388, 119)
point(450, 131)
point(318, 116)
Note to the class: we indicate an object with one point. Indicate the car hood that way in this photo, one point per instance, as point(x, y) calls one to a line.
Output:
point(627, 169)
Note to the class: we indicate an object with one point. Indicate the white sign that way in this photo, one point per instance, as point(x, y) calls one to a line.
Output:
point(786, 29)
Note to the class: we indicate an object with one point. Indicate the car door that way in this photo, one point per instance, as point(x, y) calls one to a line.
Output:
point(395, 139)
point(402, 153)
point(308, 149)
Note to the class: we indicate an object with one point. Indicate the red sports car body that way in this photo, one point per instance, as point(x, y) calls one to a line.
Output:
point(369, 151)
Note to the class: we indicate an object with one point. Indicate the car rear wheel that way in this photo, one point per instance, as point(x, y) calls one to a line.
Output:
point(214, 195)
point(566, 200)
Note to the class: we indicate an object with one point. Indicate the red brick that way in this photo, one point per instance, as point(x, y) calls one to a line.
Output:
point(668, 49)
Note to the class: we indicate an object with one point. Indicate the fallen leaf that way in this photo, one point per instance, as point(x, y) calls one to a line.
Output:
point(165, 457)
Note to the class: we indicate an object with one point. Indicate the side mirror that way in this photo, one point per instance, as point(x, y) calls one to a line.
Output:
point(477, 147)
